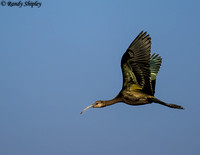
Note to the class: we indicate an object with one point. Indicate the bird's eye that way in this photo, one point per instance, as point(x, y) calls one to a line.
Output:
point(97, 103)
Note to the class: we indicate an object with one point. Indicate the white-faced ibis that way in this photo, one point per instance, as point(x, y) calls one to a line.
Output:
point(139, 69)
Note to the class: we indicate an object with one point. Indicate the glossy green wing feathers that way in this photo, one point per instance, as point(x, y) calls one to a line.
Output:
point(155, 63)
point(135, 64)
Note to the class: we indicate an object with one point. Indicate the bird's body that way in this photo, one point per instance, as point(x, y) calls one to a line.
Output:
point(139, 70)
point(135, 98)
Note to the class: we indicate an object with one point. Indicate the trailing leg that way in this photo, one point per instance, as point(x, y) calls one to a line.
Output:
point(155, 100)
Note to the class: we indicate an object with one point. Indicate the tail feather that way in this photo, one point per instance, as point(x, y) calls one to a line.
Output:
point(155, 100)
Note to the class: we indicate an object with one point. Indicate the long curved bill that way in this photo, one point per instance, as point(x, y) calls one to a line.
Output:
point(86, 108)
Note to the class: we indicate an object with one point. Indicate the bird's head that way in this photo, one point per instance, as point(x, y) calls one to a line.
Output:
point(97, 104)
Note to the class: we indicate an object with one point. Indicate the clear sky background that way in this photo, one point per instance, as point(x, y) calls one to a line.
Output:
point(57, 59)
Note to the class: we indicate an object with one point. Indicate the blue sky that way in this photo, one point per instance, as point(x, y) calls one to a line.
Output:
point(57, 59)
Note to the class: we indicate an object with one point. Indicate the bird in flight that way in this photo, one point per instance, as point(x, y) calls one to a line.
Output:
point(139, 69)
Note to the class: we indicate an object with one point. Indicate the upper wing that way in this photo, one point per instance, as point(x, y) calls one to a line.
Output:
point(155, 63)
point(135, 64)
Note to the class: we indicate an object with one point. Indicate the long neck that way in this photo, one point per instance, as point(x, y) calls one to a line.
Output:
point(113, 101)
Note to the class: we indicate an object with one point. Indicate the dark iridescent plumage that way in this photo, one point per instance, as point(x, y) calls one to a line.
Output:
point(139, 69)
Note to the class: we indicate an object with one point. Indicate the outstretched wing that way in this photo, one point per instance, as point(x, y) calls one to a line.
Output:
point(135, 64)
point(155, 63)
